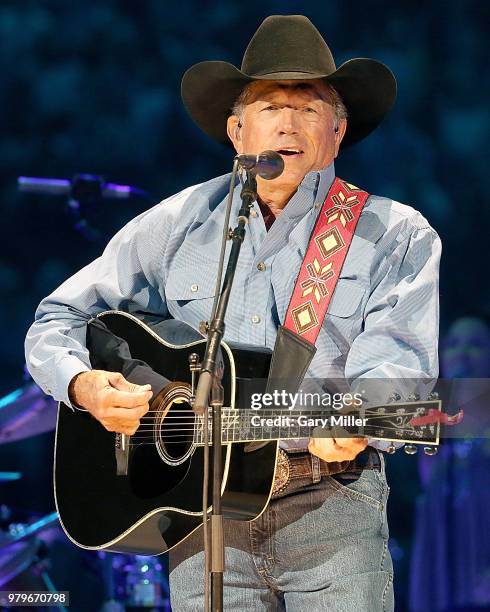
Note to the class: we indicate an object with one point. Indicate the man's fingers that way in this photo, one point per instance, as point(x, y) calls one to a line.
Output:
point(340, 434)
point(118, 381)
point(345, 440)
point(126, 399)
point(356, 444)
point(348, 451)
point(326, 449)
point(124, 414)
point(120, 426)
point(330, 449)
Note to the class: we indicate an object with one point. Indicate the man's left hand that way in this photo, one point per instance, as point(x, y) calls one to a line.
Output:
point(337, 448)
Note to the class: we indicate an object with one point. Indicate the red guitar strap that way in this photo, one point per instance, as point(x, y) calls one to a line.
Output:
point(324, 259)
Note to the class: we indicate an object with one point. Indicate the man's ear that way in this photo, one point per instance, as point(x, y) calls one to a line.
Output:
point(339, 135)
point(233, 126)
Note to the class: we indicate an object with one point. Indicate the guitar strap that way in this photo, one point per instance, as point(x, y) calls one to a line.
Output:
point(324, 259)
point(315, 285)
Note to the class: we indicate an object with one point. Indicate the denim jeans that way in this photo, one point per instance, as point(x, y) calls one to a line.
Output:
point(318, 546)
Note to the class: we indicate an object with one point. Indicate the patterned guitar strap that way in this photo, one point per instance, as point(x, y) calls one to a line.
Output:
point(324, 259)
point(313, 291)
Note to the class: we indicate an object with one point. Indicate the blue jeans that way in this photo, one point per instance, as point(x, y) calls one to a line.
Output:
point(318, 546)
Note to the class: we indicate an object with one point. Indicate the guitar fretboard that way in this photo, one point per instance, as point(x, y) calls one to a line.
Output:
point(389, 422)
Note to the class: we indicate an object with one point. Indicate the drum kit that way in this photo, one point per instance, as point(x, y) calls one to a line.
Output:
point(32, 550)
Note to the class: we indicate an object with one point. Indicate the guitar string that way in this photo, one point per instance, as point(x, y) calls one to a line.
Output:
point(240, 414)
point(234, 423)
point(229, 421)
point(428, 403)
point(283, 437)
point(181, 431)
point(144, 429)
point(284, 427)
point(230, 428)
point(245, 440)
point(274, 411)
point(292, 413)
point(186, 436)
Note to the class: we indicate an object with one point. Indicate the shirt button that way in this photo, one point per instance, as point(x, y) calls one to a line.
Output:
point(194, 288)
point(255, 319)
point(254, 213)
point(261, 266)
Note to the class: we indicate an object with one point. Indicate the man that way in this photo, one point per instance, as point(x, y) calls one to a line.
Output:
point(322, 542)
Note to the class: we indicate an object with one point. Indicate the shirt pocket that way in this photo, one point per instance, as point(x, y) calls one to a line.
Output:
point(346, 299)
point(344, 316)
point(189, 288)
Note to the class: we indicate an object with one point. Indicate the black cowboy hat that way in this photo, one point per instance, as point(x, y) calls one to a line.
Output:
point(289, 47)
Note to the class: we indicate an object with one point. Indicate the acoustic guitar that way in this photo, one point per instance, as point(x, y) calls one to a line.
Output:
point(143, 493)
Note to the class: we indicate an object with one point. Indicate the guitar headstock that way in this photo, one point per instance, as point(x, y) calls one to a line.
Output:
point(393, 422)
point(414, 423)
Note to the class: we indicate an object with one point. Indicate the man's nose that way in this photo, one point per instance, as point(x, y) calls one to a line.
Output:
point(289, 121)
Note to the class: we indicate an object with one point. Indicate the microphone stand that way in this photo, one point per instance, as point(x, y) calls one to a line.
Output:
point(210, 382)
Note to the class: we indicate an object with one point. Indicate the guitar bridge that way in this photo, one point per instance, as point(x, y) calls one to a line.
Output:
point(121, 449)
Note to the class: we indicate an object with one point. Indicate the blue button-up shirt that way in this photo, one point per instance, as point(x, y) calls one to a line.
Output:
point(382, 321)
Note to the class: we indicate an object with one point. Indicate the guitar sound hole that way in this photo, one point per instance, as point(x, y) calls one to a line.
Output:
point(176, 432)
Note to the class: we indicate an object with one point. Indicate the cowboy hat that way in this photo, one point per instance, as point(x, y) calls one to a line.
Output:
point(289, 47)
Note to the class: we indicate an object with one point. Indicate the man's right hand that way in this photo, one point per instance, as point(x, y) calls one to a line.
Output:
point(111, 399)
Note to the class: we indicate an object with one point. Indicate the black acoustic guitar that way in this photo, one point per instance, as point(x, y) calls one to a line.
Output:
point(143, 493)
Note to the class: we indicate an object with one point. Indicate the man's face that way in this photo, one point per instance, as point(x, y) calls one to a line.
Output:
point(293, 118)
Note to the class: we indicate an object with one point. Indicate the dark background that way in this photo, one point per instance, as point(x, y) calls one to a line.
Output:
point(94, 87)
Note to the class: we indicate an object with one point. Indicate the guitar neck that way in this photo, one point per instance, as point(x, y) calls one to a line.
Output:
point(386, 422)
point(246, 363)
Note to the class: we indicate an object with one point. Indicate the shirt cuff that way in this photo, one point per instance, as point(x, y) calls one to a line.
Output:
point(66, 369)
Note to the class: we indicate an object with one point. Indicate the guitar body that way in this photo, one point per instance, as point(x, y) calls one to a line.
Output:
point(143, 493)
point(158, 502)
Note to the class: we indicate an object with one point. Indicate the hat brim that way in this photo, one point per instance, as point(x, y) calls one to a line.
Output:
point(367, 87)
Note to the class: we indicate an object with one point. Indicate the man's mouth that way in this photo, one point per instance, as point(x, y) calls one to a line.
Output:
point(290, 151)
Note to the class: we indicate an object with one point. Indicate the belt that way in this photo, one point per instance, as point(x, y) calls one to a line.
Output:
point(293, 466)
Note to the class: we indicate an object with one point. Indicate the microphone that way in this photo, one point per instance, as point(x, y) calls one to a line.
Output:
point(268, 164)
point(82, 185)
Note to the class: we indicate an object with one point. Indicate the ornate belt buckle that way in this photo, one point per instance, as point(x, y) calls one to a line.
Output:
point(282, 474)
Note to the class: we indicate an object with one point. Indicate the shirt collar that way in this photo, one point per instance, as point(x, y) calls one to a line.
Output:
point(312, 190)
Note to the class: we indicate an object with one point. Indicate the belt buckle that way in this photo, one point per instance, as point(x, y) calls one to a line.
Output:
point(282, 473)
